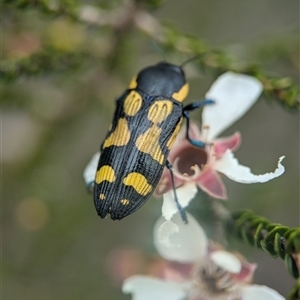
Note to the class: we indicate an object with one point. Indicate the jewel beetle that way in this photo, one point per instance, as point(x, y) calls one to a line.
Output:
point(146, 121)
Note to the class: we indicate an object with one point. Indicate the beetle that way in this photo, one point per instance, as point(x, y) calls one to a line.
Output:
point(134, 153)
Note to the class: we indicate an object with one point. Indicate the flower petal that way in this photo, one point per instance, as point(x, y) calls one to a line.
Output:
point(181, 141)
point(90, 170)
point(180, 242)
point(231, 142)
point(227, 261)
point(184, 193)
point(211, 183)
point(149, 288)
point(234, 95)
point(246, 273)
point(260, 292)
point(165, 182)
point(230, 166)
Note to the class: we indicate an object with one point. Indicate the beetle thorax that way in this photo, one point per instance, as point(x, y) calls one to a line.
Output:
point(164, 80)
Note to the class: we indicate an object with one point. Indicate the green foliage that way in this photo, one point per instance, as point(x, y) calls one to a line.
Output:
point(41, 63)
point(275, 239)
point(55, 8)
point(215, 62)
point(282, 89)
point(295, 292)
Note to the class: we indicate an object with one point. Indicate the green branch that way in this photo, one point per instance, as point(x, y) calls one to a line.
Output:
point(283, 89)
point(47, 60)
point(131, 15)
point(295, 292)
point(54, 8)
point(273, 238)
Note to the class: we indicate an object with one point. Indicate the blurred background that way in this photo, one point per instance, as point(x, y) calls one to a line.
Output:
point(54, 119)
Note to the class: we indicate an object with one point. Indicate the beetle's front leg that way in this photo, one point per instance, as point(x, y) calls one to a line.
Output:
point(180, 208)
point(186, 110)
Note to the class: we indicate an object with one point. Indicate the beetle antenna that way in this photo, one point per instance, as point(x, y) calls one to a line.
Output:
point(196, 57)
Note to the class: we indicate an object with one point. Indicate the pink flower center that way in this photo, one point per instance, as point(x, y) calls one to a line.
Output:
point(190, 157)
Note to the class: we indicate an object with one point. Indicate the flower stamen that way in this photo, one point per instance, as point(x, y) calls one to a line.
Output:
point(213, 282)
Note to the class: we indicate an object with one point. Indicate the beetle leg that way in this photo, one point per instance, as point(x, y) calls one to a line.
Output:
point(180, 208)
point(191, 107)
point(198, 104)
point(187, 135)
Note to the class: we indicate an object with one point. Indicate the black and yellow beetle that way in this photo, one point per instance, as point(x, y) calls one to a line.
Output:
point(146, 122)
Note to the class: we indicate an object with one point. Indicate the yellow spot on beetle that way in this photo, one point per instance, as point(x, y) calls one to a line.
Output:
point(172, 138)
point(133, 103)
point(138, 182)
point(101, 196)
point(125, 201)
point(105, 173)
point(133, 83)
point(121, 135)
point(182, 93)
point(159, 111)
point(148, 142)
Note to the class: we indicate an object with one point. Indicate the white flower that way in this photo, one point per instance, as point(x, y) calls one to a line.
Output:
point(217, 274)
point(195, 167)
point(90, 170)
